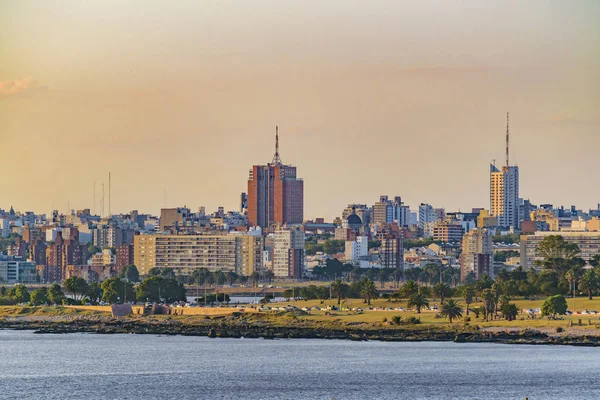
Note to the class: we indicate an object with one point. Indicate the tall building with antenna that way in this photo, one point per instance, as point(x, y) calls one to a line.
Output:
point(504, 190)
point(275, 194)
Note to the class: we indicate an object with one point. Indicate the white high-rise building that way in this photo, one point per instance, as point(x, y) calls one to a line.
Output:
point(504, 195)
point(355, 249)
point(504, 191)
point(288, 253)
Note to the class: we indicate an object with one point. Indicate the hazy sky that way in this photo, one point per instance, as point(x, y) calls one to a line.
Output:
point(392, 97)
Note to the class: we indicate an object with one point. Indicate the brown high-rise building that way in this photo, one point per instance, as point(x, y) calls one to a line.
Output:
point(275, 194)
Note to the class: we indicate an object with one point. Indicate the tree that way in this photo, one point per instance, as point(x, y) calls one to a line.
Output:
point(451, 310)
point(489, 302)
point(368, 290)
point(156, 288)
point(595, 261)
point(418, 301)
point(557, 253)
point(78, 287)
point(114, 290)
point(39, 296)
point(441, 291)
point(408, 289)
point(131, 273)
point(467, 292)
point(154, 271)
point(554, 305)
point(20, 294)
point(339, 289)
point(433, 272)
point(589, 282)
point(509, 311)
point(94, 292)
point(55, 294)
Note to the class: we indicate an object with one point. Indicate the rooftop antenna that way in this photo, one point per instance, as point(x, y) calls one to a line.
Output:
point(109, 193)
point(507, 140)
point(276, 159)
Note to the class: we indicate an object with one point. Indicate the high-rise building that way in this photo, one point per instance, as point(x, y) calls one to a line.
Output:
point(504, 191)
point(391, 251)
point(476, 254)
point(427, 216)
point(387, 211)
point(355, 249)
point(275, 194)
point(237, 253)
point(288, 253)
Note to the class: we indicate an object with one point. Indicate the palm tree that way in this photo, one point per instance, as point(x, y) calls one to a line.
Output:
point(467, 292)
point(441, 290)
point(432, 271)
point(451, 310)
point(418, 301)
point(339, 289)
point(589, 282)
point(489, 302)
point(408, 289)
point(368, 290)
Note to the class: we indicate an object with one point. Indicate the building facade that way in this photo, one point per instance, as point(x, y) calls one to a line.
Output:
point(288, 253)
point(185, 253)
point(588, 243)
point(476, 254)
point(275, 194)
point(504, 196)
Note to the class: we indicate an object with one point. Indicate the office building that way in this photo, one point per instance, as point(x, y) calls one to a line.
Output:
point(275, 194)
point(504, 192)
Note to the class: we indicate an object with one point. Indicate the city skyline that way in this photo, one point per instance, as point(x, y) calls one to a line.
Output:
point(393, 97)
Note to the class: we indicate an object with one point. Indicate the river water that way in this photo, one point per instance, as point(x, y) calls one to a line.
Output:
point(92, 366)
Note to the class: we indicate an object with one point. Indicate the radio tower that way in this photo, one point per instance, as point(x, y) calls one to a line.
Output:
point(507, 140)
point(276, 159)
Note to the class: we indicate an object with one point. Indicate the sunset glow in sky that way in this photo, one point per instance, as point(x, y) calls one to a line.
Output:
point(390, 97)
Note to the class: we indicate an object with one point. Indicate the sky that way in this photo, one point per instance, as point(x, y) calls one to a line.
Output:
point(396, 97)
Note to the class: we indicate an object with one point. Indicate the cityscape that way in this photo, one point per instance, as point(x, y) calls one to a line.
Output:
point(269, 236)
point(277, 200)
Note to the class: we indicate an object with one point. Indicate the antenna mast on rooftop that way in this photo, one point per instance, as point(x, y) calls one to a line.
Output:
point(276, 159)
point(507, 140)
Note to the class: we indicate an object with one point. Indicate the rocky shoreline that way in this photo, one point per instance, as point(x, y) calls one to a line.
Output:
point(234, 328)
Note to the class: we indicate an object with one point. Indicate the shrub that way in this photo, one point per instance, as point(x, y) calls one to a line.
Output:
point(396, 320)
point(559, 329)
point(384, 319)
point(412, 321)
point(467, 319)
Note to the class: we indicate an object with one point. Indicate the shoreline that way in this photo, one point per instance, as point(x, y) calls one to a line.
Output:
point(239, 327)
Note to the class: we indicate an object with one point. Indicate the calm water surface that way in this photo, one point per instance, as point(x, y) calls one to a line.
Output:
point(90, 366)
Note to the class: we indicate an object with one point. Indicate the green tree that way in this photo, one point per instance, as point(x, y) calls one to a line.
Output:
point(368, 290)
point(489, 302)
point(408, 289)
point(509, 311)
point(39, 296)
point(131, 273)
point(589, 282)
point(451, 310)
point(418, 301)
point(339, 290)
point(20, 294)
point(94, 292)
point(78, 287)
point(154, 271)
point(157, 289)
point(441, 291)
point(55, 294)
point(554, 305)
point(467, 292)
point(115, 290)
point(557, 253)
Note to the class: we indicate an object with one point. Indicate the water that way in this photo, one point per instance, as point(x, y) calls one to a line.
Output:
point(90, 366)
